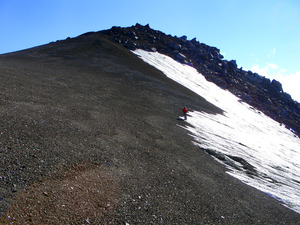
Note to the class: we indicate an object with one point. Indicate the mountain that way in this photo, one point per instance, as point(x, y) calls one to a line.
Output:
point(89, 134)
point(255, 149)
point(260, 92)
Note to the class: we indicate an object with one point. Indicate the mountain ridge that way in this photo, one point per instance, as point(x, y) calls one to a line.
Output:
point(260, 92)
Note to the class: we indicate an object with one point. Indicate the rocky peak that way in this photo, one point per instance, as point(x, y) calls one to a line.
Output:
point(258, 91)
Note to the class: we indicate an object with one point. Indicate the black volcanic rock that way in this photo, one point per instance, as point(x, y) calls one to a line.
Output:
point(258, 91)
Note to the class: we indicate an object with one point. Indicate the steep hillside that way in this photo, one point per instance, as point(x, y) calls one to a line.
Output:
point(260, 92)
point(88, 134)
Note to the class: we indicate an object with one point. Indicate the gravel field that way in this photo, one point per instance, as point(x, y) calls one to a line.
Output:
point(89, 135)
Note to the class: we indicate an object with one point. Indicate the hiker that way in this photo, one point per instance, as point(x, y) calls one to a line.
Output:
point(184, 112)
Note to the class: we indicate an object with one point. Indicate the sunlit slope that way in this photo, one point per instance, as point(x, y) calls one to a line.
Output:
point(257, 149)
point(87, 103)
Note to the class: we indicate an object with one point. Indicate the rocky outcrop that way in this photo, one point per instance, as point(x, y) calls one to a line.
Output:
point(260, 92)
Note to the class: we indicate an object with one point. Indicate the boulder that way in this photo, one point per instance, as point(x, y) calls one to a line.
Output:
point(184, 38)
point(173, 45)
point(277, 85)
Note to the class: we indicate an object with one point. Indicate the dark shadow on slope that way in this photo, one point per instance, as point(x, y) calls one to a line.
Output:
point(234, 162)
point(240, 164)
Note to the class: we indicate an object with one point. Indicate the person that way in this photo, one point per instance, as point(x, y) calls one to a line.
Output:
point(184, 112)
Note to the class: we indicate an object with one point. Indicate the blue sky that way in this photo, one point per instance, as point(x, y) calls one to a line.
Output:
point(261, 35)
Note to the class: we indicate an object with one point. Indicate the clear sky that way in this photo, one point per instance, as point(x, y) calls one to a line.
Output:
point(261, 35)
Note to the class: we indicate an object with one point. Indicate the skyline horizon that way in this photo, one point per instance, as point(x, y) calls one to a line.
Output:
point(263, 37)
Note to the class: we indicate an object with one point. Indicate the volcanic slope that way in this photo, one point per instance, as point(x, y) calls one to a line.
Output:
point(89, 134)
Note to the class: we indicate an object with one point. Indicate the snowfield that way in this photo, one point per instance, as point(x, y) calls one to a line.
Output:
point(256, 149)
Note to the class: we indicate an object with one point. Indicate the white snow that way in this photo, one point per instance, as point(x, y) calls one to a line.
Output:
point(241, 131)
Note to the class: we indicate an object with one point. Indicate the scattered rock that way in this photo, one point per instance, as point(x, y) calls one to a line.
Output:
point(265, 95)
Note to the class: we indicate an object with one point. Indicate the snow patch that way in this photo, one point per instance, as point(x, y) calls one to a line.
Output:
point(245, 137)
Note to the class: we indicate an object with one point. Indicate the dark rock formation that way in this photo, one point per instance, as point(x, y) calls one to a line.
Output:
point(258, 91)
point(235, 162)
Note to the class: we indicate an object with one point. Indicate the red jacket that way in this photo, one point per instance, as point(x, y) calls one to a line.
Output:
point(184, 110)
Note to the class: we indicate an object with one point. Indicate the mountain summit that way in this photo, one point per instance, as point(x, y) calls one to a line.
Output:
point(89, 135)
point(260, 92)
